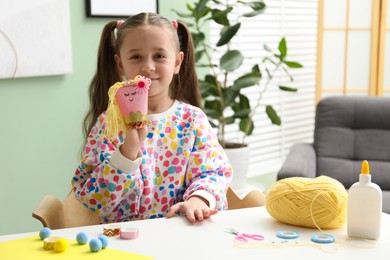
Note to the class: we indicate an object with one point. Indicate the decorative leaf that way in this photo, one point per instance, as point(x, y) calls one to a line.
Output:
point(269, 60)
point(257, 7)
point(229, 95)
point(201, 10)
point(243, 108)
point(282, 48)
point(242, 113)
point(293, 64)
point(256, 69)
point(213, 108)
point(198, 38)
point(199, 55)
point(208, 89)
point(228, 34)
point(182, 14)
point(289, 89)
point(220, 16)
point(246, 126)
point(201, 5)
point(211, 79)
point(267, 48)
point(273, 116)
point(244, 102)
point(231, 60)
point(229, 120)
point(189, 7)
point(247, 80)
point(211, 113)
point(206, 65)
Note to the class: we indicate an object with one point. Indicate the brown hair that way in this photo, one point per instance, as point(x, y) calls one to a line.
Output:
point(184, 86)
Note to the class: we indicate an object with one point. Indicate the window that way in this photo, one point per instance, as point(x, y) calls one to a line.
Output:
point(353, 38)
point(297, 21)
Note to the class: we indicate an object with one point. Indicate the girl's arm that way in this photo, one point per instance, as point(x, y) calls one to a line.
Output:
point(209, 170)
point(105, 176)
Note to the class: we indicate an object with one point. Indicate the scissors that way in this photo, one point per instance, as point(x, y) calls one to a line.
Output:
point(244, 237)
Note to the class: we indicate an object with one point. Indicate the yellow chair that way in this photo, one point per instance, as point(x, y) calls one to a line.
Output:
point(55, 214)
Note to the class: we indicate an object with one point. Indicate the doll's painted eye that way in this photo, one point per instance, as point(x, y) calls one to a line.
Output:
point(127, 94)
point(135, 92)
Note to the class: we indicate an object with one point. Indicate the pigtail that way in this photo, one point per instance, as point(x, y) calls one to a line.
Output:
point(186, 84)
point(105, 76)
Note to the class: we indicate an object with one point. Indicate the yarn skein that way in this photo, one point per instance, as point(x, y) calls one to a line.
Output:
point(308, 202)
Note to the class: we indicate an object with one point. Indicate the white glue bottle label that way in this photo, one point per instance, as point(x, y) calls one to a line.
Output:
point(364, 207)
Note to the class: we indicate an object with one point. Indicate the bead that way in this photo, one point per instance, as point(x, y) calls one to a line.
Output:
point(45, 233)
point(60, 245)
point(95, 245)
point(82, 238)
point(104, 241)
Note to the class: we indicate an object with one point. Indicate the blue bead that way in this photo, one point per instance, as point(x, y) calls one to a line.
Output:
point(82, 238)
point(104, 241)
point(95, 245)
point(45, 233)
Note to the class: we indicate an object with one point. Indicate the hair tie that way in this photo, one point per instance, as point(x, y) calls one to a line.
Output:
point(119, 24)
point(174, 23)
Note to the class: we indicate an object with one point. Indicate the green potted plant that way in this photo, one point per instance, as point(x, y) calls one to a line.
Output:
point(223, 99)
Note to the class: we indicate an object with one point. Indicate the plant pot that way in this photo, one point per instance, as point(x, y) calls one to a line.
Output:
point(239, 159)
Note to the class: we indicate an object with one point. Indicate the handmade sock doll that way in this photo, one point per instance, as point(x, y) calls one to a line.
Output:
point(127, 105)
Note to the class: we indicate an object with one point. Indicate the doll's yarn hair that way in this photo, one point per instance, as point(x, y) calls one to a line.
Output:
point(115, 122)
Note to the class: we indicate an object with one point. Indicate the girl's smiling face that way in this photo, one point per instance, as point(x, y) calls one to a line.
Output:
point(150, 51)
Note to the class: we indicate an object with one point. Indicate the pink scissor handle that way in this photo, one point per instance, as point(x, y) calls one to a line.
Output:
point(244, 237)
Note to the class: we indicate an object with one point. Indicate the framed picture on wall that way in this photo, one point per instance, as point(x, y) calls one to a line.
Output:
point(119, 8)
point(33, 50)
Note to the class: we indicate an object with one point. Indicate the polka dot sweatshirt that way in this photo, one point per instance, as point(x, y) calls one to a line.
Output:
point(180, 157)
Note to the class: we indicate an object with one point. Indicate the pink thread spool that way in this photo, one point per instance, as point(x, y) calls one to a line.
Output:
point(129, 233)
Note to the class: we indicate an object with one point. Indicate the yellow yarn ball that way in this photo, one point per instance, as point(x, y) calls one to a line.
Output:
point(60, 245)
point(315, 203)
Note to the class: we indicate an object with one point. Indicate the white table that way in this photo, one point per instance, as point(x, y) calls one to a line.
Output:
point(176, 238)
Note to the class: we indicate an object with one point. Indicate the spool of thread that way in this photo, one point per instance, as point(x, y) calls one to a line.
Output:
point(315, 203)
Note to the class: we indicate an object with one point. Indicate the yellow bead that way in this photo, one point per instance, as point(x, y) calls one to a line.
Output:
point(60, 245)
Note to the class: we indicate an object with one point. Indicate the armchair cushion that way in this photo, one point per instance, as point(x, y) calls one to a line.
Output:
point(348, 130)
point(301, 162)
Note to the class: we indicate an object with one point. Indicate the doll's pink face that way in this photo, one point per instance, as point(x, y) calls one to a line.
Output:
point(129, 95)
point(131, 100)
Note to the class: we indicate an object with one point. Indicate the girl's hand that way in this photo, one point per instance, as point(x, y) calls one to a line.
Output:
point(133, 141)
point(195, 208)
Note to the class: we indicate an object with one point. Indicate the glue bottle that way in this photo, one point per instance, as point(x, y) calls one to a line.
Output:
point(364, 207)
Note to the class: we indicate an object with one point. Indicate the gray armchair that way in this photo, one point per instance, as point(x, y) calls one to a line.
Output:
point(347, 131)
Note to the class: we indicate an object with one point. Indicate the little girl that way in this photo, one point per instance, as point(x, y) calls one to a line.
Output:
point(175, 164)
